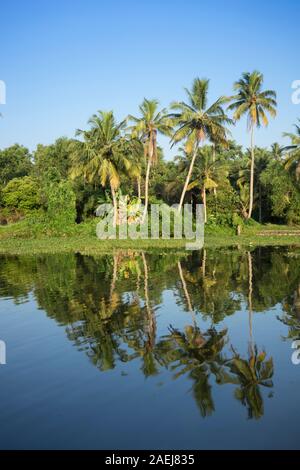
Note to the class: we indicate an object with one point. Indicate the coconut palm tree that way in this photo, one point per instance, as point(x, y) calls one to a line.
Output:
point(252, 101)
point(105, 153)
point(197, 122)
point(146, 127)
point(293, 157)
point(277, 151)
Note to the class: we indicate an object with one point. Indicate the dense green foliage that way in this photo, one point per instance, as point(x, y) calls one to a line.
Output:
point(61, 208)
point(21, 193)
point(64, 182)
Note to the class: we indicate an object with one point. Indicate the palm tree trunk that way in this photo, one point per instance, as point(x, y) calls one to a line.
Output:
point(251, 173)
point(204, 204)
point(204, 263)
point(188, 177)
point(139, 186)
point(147, 189)
point(115, 205)
point(214, 159)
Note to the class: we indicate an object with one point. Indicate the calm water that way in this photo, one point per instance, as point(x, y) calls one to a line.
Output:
point(151, 351)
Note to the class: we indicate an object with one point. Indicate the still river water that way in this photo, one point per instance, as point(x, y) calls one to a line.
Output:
point(151, 351)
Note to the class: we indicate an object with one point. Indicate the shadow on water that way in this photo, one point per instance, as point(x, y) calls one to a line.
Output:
point(109, 308)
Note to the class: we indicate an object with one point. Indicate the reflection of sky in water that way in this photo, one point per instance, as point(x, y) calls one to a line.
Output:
point(53, 396)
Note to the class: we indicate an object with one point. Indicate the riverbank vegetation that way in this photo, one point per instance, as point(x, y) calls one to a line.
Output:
point(55, 190)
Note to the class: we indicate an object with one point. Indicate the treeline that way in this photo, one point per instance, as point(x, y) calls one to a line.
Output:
point(64, 182)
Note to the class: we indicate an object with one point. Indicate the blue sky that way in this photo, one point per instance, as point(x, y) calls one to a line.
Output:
point(63, 60)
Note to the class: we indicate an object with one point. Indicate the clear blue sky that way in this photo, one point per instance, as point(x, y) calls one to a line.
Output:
point(64, 59)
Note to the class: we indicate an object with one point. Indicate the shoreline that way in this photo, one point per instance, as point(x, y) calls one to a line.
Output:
point(89, 245)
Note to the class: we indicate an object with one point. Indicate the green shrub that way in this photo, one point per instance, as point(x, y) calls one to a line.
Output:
point(22, 194)
point(223, 209)
point(61, 206)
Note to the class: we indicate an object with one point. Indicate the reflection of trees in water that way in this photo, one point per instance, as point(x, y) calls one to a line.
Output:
point(199, 355)
point(210, 283)
point(291, 315)
point(252, 374)
point(108, 306)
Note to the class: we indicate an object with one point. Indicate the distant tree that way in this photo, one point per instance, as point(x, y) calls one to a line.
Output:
point(54, 157)
point(15, 162)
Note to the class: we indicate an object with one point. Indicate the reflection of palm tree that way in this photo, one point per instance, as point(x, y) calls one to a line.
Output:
point(204, 263)
point(149, 365)
point(198, 355)
point(250, 291)
point(114, 277)
point(186, 294)
point(251, 374)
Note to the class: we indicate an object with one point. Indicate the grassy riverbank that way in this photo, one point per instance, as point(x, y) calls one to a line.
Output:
point(17, 239)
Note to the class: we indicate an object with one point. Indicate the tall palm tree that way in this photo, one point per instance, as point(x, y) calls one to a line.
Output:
point(196, 122)
point(147, 126)
point(250, 100)
point(105, 154)
point(293, 150)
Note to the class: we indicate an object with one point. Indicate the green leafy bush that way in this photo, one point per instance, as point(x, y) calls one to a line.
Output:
point(22, 194)
point(223, 209)
point(61, 206)
point(283, 193)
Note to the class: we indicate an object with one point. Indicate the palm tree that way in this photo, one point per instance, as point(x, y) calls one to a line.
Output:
point(251, 100)
point(293, 150)
point(196, 123)
point(105, 154)
point(277, 151)
point(146, 127)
